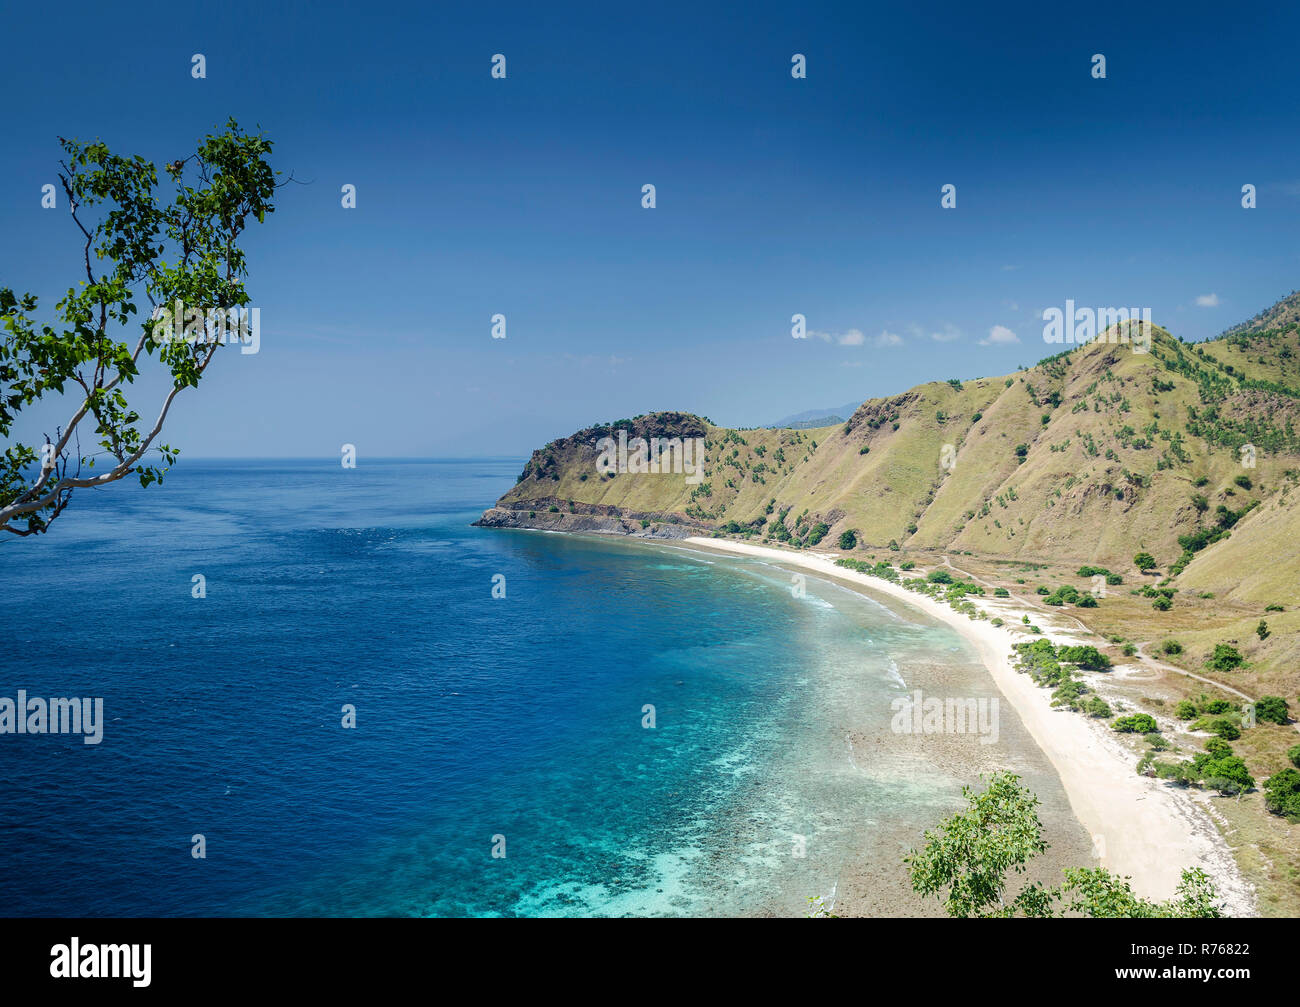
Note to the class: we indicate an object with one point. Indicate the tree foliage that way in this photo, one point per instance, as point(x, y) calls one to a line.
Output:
point(1282, 794)
point(964, 864)
point(1136, 723)
point(1272, 710)
point(968, 856)
point(1225, 658)
point(145, 247)
point(1096, 893)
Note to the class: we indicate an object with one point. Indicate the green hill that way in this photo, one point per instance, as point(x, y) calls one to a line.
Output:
point(1190, 452)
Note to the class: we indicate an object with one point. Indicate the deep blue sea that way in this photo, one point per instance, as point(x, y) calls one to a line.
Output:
point(476, 717)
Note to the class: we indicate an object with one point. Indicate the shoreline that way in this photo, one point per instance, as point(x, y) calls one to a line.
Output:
point(1142, 829)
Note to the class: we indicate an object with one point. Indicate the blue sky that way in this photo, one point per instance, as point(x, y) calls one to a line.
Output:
point(775, 196)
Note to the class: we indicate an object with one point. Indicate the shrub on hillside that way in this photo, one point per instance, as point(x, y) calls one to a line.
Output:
point(1062, 596)
point(1225, 658)
point(1228, 775)
point(1271, 710)
point(1282, 794)
point(1136, 723)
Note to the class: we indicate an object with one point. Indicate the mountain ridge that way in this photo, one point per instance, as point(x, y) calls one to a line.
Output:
point(1090, 455)
point(1278, 315)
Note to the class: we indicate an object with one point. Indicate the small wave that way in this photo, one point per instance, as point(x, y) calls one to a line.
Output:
point(895, 674)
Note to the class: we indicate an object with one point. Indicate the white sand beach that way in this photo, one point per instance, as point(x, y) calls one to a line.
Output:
point(1141, 828)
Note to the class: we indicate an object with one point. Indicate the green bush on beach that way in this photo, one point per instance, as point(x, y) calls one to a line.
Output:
point(964, 864)
point(1136, 723)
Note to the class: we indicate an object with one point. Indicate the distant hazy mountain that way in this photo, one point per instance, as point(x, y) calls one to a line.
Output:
point(812, 418)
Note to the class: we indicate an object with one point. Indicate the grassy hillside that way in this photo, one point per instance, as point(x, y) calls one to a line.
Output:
point(1090, 456)
point(1284, 313)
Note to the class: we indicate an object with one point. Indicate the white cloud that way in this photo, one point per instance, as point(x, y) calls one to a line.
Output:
point(949, 333)
point(1208, 301)
point(856, 337)
point(999, 335)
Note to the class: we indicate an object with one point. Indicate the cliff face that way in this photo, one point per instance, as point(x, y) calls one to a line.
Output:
point(570, 485)
point(1091, 455)
point(580, 521)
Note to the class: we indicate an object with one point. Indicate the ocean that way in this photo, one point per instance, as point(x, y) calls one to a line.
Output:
point(632, 729)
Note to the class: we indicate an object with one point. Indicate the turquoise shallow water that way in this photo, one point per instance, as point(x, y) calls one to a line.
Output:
point(477, 717)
